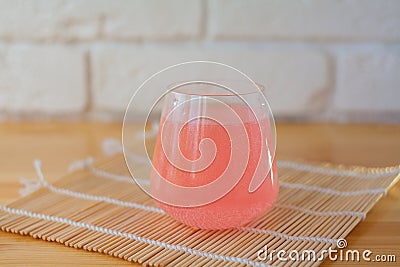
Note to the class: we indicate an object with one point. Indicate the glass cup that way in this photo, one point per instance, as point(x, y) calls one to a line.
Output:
point(213, 162)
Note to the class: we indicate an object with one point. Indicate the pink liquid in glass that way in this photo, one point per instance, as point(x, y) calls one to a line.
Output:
point(238, 206)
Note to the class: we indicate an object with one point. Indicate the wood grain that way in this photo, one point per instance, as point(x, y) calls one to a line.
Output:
point(58, 144)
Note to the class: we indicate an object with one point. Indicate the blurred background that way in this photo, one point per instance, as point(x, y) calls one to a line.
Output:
point(336, 60)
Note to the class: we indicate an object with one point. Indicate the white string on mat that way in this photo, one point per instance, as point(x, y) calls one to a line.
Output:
point(32, 186)
point(344, 173)
point(149, 134)
point(43, 183)
point(102, 173)
point(332, 191)
point(290, 237)
point(117, 202)
point(135, 237)
point(363, 215)
point(157, 210)
point(112, 146)
point(89, 164)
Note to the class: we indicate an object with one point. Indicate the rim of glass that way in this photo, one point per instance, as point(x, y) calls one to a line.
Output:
point(172, 88)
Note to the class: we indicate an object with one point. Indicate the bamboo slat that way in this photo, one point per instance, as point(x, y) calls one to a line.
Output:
point(313, 211)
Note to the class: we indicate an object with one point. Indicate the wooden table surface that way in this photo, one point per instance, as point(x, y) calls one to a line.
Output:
point(58, 144)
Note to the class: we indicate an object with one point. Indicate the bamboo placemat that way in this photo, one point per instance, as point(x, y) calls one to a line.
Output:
point(99, 208)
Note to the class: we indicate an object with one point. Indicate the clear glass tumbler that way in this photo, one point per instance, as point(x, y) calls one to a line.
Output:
point(213, 163)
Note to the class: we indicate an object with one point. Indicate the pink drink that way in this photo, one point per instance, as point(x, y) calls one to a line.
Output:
point(238, 206)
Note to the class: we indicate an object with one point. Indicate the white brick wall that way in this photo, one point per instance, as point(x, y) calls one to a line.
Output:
point(369, 81)
point(42, 78)
point(152, 19)
point(325, 60)
point(91, 19)
point(308, 19)
point(49, 20)
point(302, 77)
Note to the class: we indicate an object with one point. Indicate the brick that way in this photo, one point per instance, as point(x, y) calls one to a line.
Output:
point(118, 70)
point(47, 79)
point(369, 81)
point(297, 80)
point(91, 19)
point(153, 19)
point(309, 20)
point(49, 20)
